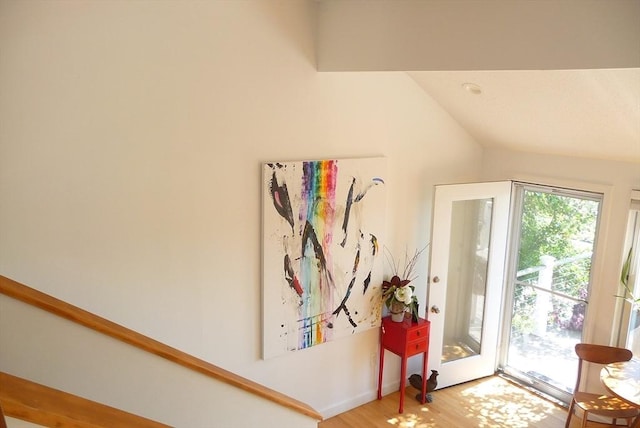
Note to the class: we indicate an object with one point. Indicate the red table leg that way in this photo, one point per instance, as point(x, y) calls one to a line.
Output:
point(403, 379)
point(380, 373)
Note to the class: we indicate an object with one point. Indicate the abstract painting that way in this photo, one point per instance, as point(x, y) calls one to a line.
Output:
point(322, 261)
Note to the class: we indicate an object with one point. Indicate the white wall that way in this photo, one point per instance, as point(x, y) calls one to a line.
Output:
point(130, 155)
point(17, 423)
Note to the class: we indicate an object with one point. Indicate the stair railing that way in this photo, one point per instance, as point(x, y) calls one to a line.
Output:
point(63, 309)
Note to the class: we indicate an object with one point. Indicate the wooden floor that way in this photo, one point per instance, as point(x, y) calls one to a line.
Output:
point(489, 402)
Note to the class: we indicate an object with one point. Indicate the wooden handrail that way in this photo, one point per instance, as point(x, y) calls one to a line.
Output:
point(46, 406)
point(63, 309)
point(3, 421)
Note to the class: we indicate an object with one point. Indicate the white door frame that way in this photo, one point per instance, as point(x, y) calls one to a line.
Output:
point(485, 363)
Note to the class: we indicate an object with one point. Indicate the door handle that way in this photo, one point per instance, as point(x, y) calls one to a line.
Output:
point(435, 309)
point(436, 279)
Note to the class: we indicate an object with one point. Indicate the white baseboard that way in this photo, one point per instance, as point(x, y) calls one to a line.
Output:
point(359, 400)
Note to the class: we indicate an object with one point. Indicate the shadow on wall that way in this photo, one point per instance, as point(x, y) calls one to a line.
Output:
point(297, 25)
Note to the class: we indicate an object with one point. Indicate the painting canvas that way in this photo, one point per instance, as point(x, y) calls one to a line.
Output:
point(322, 258)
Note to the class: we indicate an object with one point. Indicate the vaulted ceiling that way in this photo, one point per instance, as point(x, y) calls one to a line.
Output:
point(553, 77)
point(586, 113)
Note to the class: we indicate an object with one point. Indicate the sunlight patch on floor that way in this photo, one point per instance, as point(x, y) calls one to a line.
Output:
point(486, 404)
point(455, 350)
point(492, 403)
point(411, 421)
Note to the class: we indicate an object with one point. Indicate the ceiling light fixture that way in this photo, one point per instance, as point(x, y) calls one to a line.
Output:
point(472, 88)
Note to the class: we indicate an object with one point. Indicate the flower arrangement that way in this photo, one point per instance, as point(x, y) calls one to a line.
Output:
point(397, 294)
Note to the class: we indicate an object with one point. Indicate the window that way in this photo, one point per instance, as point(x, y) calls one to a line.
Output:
point(630, 314)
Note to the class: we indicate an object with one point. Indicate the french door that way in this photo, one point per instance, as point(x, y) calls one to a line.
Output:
point(548, 285)
point(468, 250)
point(509, 281)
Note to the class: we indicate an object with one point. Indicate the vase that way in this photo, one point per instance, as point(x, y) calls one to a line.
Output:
point(397, 310)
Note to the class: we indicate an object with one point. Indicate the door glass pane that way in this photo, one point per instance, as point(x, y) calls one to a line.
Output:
point(551, 286)
point(467, 276)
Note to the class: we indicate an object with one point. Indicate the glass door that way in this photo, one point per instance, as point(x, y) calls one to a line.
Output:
point(631, 314)
point(548, 284)
point(467, 259)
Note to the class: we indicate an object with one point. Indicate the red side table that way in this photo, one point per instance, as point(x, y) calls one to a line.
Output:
point(405, 339)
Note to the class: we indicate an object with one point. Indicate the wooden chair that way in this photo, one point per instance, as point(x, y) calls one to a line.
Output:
point(599, 404)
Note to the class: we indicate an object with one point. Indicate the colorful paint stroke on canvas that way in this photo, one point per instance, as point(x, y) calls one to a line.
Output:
point(322, 266)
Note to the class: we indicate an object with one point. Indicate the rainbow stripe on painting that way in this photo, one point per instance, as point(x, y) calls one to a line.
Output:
point(317, 215)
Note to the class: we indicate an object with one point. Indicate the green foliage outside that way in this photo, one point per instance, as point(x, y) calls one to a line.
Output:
point(555, 225)
point(561, 227)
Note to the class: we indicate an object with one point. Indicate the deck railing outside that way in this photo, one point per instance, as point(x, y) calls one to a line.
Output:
point(550, 302)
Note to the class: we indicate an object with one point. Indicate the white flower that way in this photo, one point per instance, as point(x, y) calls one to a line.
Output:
point(404, 294)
